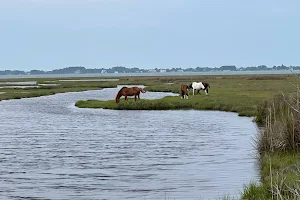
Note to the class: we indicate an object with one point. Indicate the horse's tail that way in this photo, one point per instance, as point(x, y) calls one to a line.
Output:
point(119, 94)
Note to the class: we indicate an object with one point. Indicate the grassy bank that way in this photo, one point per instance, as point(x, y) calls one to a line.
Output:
point(278, 146)
point(199, 102)
point(45, 87)
point(241, 94)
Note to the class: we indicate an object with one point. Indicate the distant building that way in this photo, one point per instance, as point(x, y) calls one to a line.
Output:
point(228, 68)
point(152, 70)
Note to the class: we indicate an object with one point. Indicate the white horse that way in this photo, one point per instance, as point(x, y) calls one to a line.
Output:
point(200, 86)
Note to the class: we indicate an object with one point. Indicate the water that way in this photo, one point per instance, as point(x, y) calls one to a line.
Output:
point(19, 86)
point(19, 83)
point(153, 74)
point(49, 149)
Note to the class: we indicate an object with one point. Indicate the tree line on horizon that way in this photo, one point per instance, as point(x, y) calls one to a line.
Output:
point(121, 69)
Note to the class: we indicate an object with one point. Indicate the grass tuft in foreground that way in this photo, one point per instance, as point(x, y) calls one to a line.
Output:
point(278, 145)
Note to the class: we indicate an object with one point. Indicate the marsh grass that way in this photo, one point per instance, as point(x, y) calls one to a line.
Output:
point(169, 103)
point(281, 117)
point(241, 94)
point(280, 174)
point(278, 146)
point(254, 191)
point(62, 87)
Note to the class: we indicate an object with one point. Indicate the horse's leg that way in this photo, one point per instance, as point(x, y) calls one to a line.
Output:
point(126, 98)
point(206, 91)
point(193, 91)
point(139, 97)
point(134, 97)
point(187, 95)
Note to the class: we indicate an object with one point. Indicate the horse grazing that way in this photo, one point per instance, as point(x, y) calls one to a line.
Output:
point(184, 91)
point(126, 91)
point(199, 86)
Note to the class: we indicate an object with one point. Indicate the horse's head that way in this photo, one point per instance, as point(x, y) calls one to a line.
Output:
point(142, 90)
point(187, 87)
point(119, 94)
point(190, 86)
point(206, 85)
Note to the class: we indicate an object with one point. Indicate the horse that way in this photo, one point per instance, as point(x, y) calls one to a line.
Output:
point(184, 91)
point(199, 86)
point(127, 91)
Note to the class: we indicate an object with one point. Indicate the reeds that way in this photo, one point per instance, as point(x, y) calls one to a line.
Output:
point(279, 147)
point(281, 117)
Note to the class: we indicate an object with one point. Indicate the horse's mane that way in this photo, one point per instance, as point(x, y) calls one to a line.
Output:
point(206, 84)
point(119, 94)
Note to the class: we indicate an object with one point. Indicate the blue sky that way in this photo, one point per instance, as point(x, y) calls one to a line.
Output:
point(52, 34)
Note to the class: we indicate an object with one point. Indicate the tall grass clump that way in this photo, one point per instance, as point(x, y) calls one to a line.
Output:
point(281, 117)
point(279, 147)
point(253, 192)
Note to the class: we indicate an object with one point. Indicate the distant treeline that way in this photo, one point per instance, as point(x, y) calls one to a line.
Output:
point(121, 69)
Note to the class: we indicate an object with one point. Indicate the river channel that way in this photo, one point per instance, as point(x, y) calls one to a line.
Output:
point(50, 149)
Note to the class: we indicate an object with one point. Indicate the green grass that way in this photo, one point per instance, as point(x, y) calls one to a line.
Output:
point(197, 102)
point(62, 87)
point(280, 177)
point(241, 94)
point(254, 191)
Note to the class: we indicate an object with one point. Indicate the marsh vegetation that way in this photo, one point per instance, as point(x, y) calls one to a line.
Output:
point(272, 99)
point(278, 145)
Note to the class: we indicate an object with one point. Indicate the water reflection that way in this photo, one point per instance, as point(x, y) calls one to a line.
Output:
point(52, 150)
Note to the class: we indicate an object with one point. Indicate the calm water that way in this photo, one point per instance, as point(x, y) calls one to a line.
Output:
point(153, 74)
point(49, 149)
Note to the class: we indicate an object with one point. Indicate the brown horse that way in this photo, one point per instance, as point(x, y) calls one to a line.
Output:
point(184, 91)
point(125, 91)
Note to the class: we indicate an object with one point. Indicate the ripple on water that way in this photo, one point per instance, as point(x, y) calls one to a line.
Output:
point(52, 150)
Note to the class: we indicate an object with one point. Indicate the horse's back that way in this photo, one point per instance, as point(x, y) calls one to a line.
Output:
point(130, 91)
point(197, 85)
point(123, 88)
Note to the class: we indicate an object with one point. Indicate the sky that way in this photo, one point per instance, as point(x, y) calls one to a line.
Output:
point(54, 34)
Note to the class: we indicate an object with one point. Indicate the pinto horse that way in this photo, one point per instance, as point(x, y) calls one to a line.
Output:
point(184, 91)
point(199, 86)
point(126, 91)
